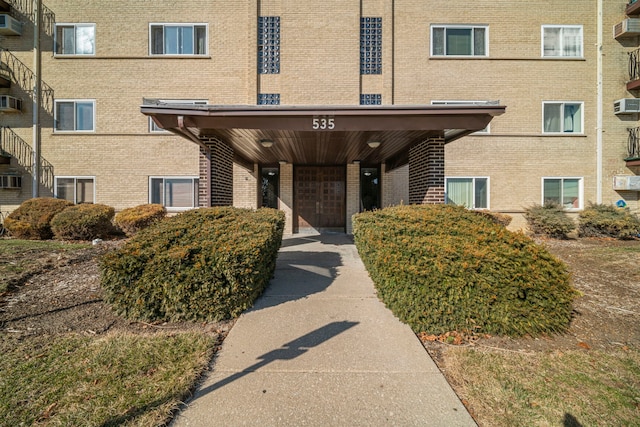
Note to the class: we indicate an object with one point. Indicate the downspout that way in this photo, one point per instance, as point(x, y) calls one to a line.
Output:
point(599, 91)
point(37, 57)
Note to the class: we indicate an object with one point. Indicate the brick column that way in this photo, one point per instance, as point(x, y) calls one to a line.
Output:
point(286, 196)
point(353, 194)
point(426, 172)
point(216, 174)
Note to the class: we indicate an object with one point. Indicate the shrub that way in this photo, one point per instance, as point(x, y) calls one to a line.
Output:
point(204, 264)
point(83, 222)
point(498, 218)
point(32, 219)
point(599, 220)
point(550, 220)
point(132, 220)
point(442, 268)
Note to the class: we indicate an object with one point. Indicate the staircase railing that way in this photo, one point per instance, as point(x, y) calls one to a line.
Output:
point(12, 144)
point(25, 7)
point(22, 75)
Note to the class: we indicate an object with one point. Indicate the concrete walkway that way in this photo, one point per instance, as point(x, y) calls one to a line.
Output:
point(320, 349)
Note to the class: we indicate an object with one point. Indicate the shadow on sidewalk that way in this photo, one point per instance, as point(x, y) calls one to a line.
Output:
point(288, 351)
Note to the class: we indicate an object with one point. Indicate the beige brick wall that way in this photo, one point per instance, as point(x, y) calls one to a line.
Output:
point(286, 196)
point(353, 194)
point(245, 187)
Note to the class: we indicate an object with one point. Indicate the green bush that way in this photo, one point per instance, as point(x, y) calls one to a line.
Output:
point(83, 222)
point(497, 217)
point(442, 268)
point(204, 264)
point(549, 220)
point(32, 219)
point(132, 220)
point(599, 220)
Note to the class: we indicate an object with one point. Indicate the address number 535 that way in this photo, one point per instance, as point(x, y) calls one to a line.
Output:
point(323, 123)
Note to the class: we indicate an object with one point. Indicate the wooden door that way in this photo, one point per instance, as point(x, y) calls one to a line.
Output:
point(320, 198)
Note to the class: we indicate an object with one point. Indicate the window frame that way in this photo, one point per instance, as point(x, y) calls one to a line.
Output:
point(193, 25)
point(75, 102)
point(153, 128)
point(473, 182)
point(561, 47)
point(562, 117)
point(562, 179)
point(75, 26)
point(470, 27)
point(75, 186)
point(194, 200)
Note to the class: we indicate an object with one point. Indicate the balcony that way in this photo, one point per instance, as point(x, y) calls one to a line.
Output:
point(634, 70)
point(633, 8)
point(633, 147)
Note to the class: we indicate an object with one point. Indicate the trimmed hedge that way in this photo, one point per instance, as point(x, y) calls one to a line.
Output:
point(205, 264)
point(132, 220)
point(599, 220)
point(32, 219)
point(83, 222)
point(550, 220)
point(442, 268)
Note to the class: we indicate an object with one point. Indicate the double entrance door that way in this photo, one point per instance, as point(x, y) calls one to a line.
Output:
point(319, 198)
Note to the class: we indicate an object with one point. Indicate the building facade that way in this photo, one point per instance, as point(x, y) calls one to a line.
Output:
point(321, 110)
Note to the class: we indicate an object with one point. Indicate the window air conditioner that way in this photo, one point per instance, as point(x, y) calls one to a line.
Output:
point(626, 183)
point(9, 26)
point(10, 181)
point(10, 104)
point(630, 27)
point(626, 106)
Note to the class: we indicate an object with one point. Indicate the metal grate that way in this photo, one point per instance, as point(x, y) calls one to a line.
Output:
point(370, 45)
point(268, 99)
point(269, 44)
point(370, 99)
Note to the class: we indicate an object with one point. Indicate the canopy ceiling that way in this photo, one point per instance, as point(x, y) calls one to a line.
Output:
point(321, 134)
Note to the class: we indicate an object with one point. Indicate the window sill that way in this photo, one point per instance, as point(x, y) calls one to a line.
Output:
point(506, 58)
point(74, 132)
point(132, 57)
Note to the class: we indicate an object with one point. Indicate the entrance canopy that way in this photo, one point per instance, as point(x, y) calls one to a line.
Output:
point(317, 135)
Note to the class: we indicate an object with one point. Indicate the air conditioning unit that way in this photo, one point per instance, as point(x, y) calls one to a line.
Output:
point(626, 106)
point(10, 104)
point(9, 26)
point(630, 27)
point(10, 181)
point(626, 182)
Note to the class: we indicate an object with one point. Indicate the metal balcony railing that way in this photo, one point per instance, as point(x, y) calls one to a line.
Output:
point(634, 65)
point(12, 144)
point(22, 75)
point(25, 7)
point(633, 145)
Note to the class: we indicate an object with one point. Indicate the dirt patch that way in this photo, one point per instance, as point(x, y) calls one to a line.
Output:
point(607, 315)
point(65, 296)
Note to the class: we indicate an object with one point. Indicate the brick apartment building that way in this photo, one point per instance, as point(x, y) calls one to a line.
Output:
point(321, 109)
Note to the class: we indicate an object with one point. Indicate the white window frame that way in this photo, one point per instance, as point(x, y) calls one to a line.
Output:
point(561, 47)
point(450, 102)
point(153, 128)
point(473, 182)
point(75, 27)
point(75, 186)
point(562, 108)
point(460, 27)
point(194, 201)
point(562, 179)
point(75, 118)
point(193, 25)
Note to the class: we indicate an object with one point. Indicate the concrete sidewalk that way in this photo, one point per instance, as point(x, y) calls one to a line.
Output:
point(320, 349)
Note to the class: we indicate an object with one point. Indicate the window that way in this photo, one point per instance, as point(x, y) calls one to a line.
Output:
point(562, 41)
point(370, 45)
point(76, 189)
point(268, 44)
point(270, 187)
point(268, 99)
point(75, 39)
point(153, 127)
point(178, 39)
point(176, 193)
point(473, 193)
point(485, 130)
point(566, 192)
point(370, 99)
point(369, 189)
point(75, 115)
point(456, 40)
point(562, 117)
